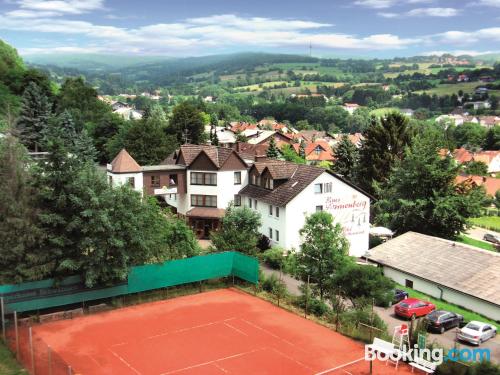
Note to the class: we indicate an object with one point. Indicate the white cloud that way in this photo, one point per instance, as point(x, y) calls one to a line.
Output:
point(433, 12)
point(464, 37)
point(376, 4)
point(423, 12)
point(208, 34)
point(62, 6)
point(489, 3)
point(388, 14)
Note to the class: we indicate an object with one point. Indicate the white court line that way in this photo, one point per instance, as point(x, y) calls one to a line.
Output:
point(236, 329)
point(212, 362)
point(292, 359)
point(221, 368)
point(125, 362)
point(275, 336)
point(339, 367)
point(189, 328)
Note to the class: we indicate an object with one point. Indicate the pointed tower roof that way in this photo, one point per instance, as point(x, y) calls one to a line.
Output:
point(124, 163)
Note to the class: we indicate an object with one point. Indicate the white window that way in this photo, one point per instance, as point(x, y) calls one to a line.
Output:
point(271, 233)
point(277, 212)
point(327, 188)
point(270, 210)
point(319, 208)
point(250, 202)
point(318, 188)
point(277, 233)
point(237, 178)
point(237, 200)
point(255, 203)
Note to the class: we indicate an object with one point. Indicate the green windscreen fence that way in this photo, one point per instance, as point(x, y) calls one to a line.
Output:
point(47, 293)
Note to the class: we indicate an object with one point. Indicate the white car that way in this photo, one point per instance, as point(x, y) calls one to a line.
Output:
point(477, 332)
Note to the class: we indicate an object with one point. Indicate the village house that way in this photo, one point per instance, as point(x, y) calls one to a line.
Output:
point(199, 182)
point(285, 193)
point(351, 107)
point(491, 184)
point(490, 158)
point(316, 152)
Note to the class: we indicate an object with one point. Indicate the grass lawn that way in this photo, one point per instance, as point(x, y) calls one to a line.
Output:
point(8, 365)
point(477, 243)
point(487, 222)
point(442, 305)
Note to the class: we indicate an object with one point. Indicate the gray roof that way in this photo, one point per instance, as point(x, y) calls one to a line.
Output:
point(467, 269)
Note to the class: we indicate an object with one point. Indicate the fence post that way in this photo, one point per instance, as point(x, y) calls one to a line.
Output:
point(307, 296)
point(3, 317)
point(49, 356)
point(32, 353)
point(16, 331)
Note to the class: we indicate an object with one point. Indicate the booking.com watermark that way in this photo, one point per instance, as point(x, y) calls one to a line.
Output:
point(435, 355)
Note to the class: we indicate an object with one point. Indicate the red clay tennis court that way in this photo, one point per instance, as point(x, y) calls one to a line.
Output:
point(219, 332)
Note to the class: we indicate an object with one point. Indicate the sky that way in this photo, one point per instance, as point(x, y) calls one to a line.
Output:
point(363, 28)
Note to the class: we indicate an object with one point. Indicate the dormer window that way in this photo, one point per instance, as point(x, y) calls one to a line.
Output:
point(317, 150)
point(268, 183)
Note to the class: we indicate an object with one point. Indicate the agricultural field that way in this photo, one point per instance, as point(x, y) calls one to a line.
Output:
point(450, 88)
point(423, 68)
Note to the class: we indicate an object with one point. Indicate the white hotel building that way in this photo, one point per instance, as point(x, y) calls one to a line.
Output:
point(199, 182)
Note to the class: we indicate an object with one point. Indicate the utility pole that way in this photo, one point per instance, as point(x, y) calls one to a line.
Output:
point(310, 49)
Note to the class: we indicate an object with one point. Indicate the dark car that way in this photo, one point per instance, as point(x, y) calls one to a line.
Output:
point(441, 320)
point(399, 295)
point(490, 237)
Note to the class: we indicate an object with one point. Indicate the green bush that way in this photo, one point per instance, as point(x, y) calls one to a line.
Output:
point(274, 257)
point(290, 265)
point(269, 283)
point(314, 305)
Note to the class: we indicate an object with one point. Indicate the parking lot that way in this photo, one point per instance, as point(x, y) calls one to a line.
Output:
point(446, 339)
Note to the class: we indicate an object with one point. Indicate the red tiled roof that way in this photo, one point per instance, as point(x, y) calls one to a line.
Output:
point(325, 153)
point(491, 184)
point(124, 163)
point(462, 155)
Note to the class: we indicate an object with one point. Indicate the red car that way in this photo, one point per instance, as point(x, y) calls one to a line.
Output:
point(413, 307)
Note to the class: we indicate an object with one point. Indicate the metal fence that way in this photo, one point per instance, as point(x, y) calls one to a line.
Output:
point(49, 293)
point(31, 351)
point(20, 334)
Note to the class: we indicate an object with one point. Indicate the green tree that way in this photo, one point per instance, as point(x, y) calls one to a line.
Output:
point(383, 145)
point(492, 140)
point(187, 124)
point(239, 231)
point(80, 100)
point(302, 149)
point(346, 158)
point(324, 250)
point(289, 154)
point(272, 151)
point(420, 194)
point(145, 140)
point(33, 117)
point(470, 135)
point(361, 284)
point(19, 232)
point(102, 132)
point(476, 168)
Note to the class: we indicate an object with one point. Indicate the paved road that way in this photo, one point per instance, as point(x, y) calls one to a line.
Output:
point(478, 233)
point(446, 339)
